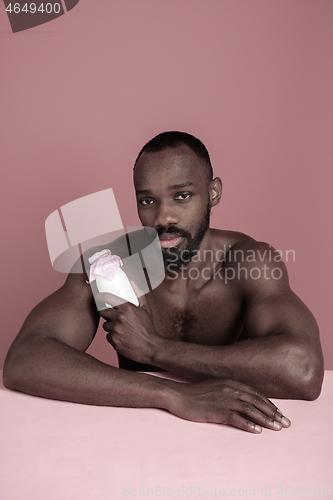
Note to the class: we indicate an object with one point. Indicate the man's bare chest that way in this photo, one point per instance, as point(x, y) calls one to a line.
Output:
point(212, 315)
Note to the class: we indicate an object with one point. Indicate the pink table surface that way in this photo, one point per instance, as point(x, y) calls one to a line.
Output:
point(53, 450)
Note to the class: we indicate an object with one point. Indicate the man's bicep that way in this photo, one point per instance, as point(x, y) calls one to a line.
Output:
point(68, 315)
point(280, 313)
point(271, 306)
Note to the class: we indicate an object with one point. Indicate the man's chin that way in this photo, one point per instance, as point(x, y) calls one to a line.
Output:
point(173, 253)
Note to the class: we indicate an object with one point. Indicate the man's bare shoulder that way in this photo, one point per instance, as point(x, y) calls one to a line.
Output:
point(225, 239)
point(254, 266)
point(239, 244)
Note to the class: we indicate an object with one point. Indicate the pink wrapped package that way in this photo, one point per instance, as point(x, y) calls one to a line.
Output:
point(104, 264)
point(105, 269)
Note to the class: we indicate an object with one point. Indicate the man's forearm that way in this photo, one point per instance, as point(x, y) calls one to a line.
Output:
point(52, 369)
point(274, 364)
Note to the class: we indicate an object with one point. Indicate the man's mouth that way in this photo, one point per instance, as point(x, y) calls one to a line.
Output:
point(170, 240)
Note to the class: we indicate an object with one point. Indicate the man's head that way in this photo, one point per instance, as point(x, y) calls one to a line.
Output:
point(172, 140)
point(175, 191)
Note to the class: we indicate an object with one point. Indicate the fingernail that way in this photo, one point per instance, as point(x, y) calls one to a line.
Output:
point(277, 426)
point(257, 429)
point(286, 422)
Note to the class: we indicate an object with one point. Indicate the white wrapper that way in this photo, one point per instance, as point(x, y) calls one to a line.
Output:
point(119, 286)
point(105, 270)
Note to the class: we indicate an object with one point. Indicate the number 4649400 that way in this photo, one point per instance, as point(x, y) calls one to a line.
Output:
point(302, 491)
point(32, 8)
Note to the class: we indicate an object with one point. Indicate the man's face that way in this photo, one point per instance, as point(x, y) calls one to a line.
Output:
point(172, 192)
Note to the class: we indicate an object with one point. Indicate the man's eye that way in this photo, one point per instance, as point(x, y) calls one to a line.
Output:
point(183, 196)
point(146, 201)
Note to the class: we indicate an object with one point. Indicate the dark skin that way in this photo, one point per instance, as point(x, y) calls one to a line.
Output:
point(186, 326)
point(190, 326)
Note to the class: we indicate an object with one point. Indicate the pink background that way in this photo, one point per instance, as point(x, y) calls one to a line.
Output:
point(80, 95)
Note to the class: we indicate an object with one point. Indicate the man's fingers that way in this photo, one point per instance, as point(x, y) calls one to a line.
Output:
point(252, 413)
point(247, 417)
point(107, 326)
point(244, 424)
point(259, 403)
point(250, 390)
point(258, 400)
point(109, 339)
point(236, 420)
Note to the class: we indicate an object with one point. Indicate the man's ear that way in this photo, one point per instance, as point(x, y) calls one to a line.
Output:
point(215, 191)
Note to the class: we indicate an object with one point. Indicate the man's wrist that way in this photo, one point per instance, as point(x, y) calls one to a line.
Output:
point(161, 351)
point(164, 392)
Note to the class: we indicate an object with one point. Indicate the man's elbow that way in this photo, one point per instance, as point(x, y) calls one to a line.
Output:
point(7, 379)
point(308, 373)
point(9, 375)
point(14, 372)
point(309, 387)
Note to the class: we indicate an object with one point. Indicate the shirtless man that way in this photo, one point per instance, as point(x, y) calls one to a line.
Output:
point(228, 324)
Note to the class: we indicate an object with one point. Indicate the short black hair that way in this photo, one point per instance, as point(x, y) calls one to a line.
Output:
point(173, 139)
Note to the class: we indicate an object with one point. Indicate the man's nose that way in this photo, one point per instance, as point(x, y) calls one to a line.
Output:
point(165, 215)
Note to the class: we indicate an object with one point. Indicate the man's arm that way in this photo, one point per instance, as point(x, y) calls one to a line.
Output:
point(283, 357)
point(48, 356)
point(47, 359)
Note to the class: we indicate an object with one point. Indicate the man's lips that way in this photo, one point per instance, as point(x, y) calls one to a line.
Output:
point(170, 240)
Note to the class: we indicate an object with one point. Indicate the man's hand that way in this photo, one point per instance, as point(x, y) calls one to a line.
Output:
point(227, 402)
point(130, 328)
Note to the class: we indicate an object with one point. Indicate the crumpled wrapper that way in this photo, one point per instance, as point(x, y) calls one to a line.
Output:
point(104, 264)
